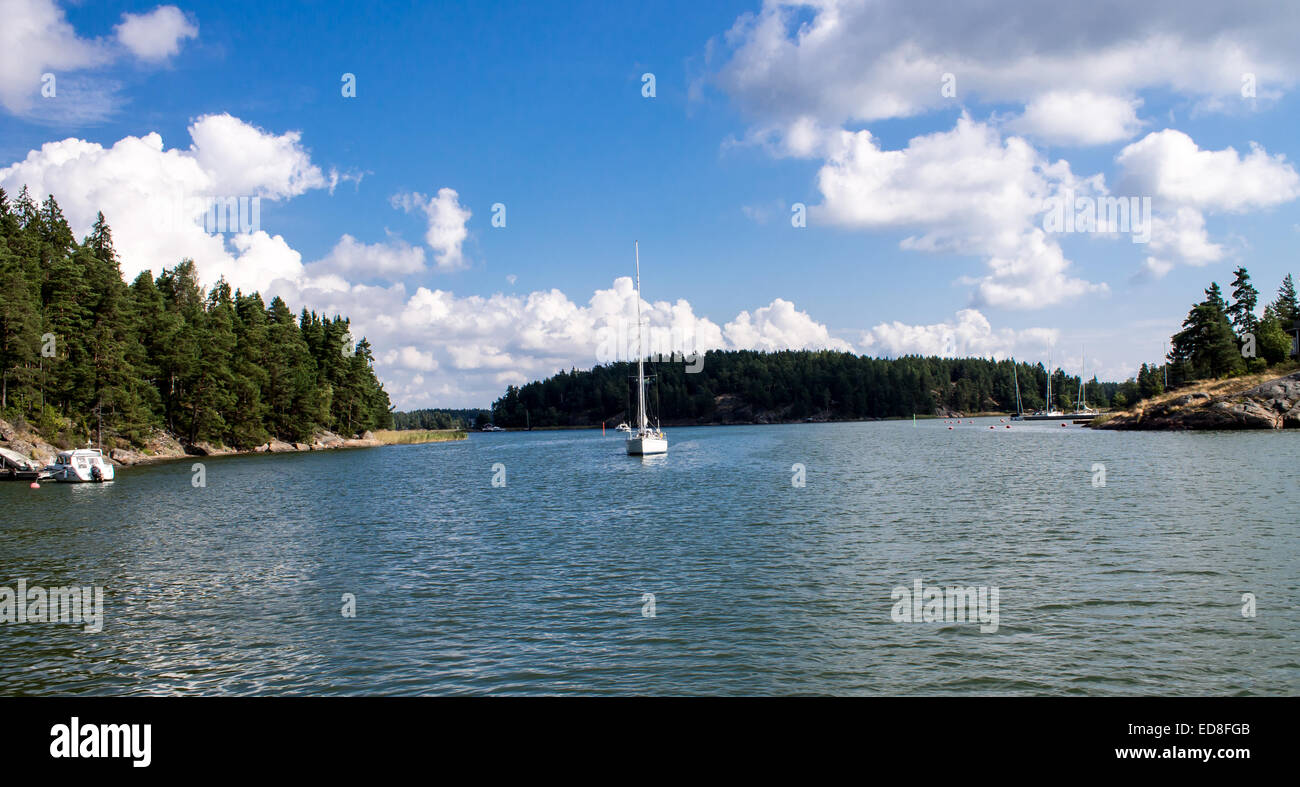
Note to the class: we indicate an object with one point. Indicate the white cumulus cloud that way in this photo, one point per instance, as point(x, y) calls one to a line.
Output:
point(350, 257)
point(966, 191)
point(447, 224)
point(810, 74)
point(968, 334)
point(156, 35)
point(1185, 183)
point(1079, 118)
point(36, 39)
point(779, 326)
point(844, 61)
point(155, 198)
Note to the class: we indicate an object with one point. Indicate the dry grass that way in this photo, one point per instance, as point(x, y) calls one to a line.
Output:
point(414, 436)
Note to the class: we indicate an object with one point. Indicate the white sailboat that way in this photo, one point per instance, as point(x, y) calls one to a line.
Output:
point(1081, 407)
point(645, 440)
point(1048, 410)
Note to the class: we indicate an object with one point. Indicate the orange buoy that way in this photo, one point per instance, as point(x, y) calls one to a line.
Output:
point(35, 485)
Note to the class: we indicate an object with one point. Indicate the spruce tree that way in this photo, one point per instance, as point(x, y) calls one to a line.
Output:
point(1286, 305)
point(1206, 346)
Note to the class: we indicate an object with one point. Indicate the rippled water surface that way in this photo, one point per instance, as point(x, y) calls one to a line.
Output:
point(760, 587)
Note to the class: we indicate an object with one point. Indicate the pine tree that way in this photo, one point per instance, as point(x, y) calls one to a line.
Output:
point(176, 344)
point(9, 226)
point(67, 301)
point(1244, 299)
point(247, 421)
point(20, 331)
point(112, 341)
point(210, 387)
point(292, 373)
point(1206, 346)
point(1286, 306)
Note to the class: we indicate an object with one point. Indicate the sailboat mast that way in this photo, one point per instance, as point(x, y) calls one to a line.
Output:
point(1015, 376)
point(1049, 381)
point(640, 359)
point(1083, 354)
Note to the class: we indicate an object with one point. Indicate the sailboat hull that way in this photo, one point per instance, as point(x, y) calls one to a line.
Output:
point(642, 446)
point(1058, 417)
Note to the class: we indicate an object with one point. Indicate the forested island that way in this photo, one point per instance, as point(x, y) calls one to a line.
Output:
point(83, 354)
point(1219, 339)
point(746, 386)
point(440, 418)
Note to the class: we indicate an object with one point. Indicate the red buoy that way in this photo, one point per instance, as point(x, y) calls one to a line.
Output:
point(35, 485)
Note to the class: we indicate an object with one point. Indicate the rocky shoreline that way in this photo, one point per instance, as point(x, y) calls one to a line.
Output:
point(1274, 404)
point(162, 447)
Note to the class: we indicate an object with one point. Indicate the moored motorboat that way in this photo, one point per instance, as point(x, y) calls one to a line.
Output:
point(16, 467)
point(81, 465)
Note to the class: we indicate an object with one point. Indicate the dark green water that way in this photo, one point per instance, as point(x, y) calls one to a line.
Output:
point(760, 587)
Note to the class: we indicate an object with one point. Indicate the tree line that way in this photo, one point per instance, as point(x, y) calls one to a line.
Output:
point(81, 350)
point(440, 418)
point(793, 385)
point(1219, 338)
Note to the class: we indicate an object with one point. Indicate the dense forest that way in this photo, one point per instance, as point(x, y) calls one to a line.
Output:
point(81, 350)
point(793, 385)
point(440, 419)
point(1218, 339)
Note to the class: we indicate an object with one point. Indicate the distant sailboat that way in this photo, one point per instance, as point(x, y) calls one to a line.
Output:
point(1020, 412)
point(1049, 413)
point(645, 440)
point(1081, 407)
point(1048, 410)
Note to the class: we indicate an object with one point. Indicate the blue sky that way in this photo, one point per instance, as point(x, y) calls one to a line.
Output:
point(541, 109)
